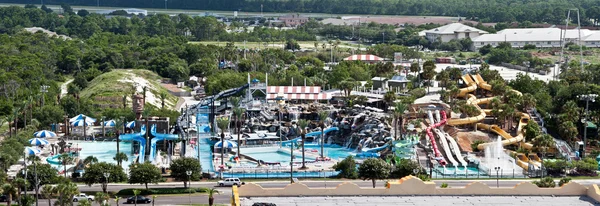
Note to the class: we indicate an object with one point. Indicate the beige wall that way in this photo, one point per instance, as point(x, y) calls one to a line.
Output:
point(414, 186)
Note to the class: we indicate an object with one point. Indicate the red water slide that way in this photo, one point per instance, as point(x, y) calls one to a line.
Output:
point(436, 151)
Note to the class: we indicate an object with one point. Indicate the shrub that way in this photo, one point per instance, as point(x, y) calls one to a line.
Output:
point(418, 92)
point(564, 181)
point(444, 185)
point(529, 46)
point(423, 177)
point(475, 143)
point(347, 168)
point(546, 182)
point(162, 191)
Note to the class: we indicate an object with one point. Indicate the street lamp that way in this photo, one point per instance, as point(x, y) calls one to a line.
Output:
point(324, 179)
point(416, 171)
point(106, 176)
point(587, 98)
point(189, 174)
point(497, 177)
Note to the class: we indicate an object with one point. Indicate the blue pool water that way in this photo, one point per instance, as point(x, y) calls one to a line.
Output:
point(276, 156)
point(297, 174)
point(104, 151)
point(335, 152)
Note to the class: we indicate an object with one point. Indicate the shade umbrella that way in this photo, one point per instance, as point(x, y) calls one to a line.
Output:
point(44, 134)
point(81, 123)
point(110, 123)
point(228, 144)
point(130, 125)
point(38, 141)
point(81, 117)
point(31, 151)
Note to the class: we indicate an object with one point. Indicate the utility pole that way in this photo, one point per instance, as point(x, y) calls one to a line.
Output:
point(165, 5)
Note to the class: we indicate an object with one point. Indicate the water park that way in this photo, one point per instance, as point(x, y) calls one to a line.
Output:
point(261, 131)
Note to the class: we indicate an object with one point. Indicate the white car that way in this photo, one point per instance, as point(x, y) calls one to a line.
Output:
point(230, 182)
point(83, 196)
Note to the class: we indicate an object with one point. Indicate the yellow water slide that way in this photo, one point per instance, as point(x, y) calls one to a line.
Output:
point(472, 100)
point(533, 158)
point(508, 139)
point(522, 161)
point(471, 86)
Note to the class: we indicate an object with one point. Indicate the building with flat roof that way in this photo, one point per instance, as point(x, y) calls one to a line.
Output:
point(368, 58)
point(540, 37)
point(452, 31)
point(293, 20)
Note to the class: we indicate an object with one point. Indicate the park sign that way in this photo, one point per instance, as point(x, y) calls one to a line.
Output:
point(398, 57)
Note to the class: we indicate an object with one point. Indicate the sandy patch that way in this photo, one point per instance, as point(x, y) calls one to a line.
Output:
point(140, 83)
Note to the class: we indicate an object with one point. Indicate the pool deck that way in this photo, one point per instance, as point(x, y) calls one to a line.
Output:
point(312, 166)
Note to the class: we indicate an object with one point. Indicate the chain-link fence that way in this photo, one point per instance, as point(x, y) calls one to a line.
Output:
point(277, 174)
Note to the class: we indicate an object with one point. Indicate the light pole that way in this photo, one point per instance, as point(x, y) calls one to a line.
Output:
point(44, 90)
point(103, 130)
point(416, 171)
point(497, 177)
point(587, 98)
point(165, 5)
point(189, 174)
point(106, 176)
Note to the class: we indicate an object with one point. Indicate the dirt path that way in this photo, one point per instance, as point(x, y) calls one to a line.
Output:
point(63, 88)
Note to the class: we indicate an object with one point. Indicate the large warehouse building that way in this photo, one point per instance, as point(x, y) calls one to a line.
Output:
point(540, 37)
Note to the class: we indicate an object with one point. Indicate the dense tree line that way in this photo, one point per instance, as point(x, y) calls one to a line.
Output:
point(552, 11)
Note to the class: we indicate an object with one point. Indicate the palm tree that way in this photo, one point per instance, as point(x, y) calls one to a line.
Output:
point(222, 123)
point(10, 191)
point(117, 200)
point(118, 125)
point(15, 112)
point(65, 159)
point(19, 183)
point(120, 157)
point(398, 113)
point(567, 130)
point(322, 118)
point(389, 98)
point(303, 126)
point(543, 143)
point(163, 97)
point(90, 160)
point(102, 198)
point(48, 192)
point(146, 113)
point(10, 119)
point(211, 192)
point(2, 121)
point(443, 77)
point(347, 86)
point(528, 101)
point(237, 113)
point(135, 194)
point(570, 111)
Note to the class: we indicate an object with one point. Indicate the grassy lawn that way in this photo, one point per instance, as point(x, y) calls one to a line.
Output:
point(119, 82)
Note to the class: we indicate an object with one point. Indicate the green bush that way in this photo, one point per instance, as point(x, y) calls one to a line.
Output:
point(418, 92)
point(444, 185)
point(564, 181)
point(347, 168)
point(475, 143)
point(162, 191)
point(546, 182)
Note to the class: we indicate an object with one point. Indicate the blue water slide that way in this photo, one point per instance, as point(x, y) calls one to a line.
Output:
point(138, 137)
point(158, 137)
point(292, 141)
point(374, 150)
point(318, 133)
point(54, 160)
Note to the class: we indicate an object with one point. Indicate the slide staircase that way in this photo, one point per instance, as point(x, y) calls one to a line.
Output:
point(158, 137)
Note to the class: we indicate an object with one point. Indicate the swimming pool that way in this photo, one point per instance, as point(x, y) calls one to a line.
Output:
point(277, 156)
point(332, 151)
point(104, 151)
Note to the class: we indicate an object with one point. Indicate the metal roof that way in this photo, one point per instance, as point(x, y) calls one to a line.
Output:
point(453, 28)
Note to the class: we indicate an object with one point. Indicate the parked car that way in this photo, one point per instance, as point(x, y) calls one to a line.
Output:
point(3, 198)
point(230, 182)
point(140, 199)
point(83, 196)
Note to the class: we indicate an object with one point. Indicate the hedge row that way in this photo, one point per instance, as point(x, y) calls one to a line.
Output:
point(162, 191)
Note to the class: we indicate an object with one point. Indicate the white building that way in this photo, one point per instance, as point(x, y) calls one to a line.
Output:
point(540, 37)
point(452, 31)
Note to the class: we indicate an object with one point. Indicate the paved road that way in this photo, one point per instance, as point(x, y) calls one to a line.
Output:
point(225, 192)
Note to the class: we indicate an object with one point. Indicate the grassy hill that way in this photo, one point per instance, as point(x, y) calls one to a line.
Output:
point(109, 88)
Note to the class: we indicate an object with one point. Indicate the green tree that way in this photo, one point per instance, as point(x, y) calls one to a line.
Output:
point(179, 168)
point(120, 157)
point(66, 190)
point(373, 169)
point(238, 111)
point(543, 143)
point(404, 167)
point(10, 191)
point(347, 168)
point(322, 123)
point(102, 198)
point(48, 192)
point(532, 130)
point(90, 160)
point(45, 174)
point(94, 174)
point(144, 173)
point(428, 72)
point(398, 114)
point(389, 98)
